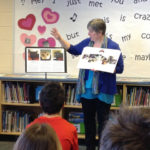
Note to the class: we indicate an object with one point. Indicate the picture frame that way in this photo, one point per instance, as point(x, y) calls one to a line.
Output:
point(45, 60)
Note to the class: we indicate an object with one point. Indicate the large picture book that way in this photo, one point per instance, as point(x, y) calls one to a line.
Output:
point(100, 59)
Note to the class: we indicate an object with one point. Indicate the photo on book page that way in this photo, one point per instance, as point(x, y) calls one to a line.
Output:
point(100, 59)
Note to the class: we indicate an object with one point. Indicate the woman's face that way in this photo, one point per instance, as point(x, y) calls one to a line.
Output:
point(93, 34)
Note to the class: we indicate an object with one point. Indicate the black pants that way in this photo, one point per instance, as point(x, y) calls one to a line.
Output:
point(90, 108)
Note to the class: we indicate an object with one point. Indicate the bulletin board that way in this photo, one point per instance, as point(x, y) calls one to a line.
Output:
point(127, 23)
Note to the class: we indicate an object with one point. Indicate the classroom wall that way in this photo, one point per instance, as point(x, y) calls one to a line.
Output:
point(6, 36)
point(133, 22)
point(127, 24)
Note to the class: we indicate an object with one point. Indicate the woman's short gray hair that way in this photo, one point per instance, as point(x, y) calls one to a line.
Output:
point(97, 25)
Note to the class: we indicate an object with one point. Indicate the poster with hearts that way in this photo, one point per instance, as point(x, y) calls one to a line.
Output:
point(32, 28)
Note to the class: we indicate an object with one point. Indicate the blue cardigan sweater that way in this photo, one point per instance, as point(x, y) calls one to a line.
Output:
point(107, 81)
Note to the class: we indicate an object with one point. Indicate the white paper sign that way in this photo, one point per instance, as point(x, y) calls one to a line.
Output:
point(101, 59)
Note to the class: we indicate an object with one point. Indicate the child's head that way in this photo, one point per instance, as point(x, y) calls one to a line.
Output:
point(38, 137)
point(127, 130)
point(52, 98)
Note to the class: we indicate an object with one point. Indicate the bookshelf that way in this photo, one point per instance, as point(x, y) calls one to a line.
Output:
point(125, 86)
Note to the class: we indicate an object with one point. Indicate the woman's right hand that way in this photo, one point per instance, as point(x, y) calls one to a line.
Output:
point(56, 34)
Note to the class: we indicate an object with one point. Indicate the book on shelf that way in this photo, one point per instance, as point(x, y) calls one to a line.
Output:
point(134, 96)
point(16, 92)
point(4, 121)
point(70, 91)
point(141, 97)
point(77, 119)
point(118, 97)
point(8, 92)
point(147, 98)
point(37, 92)
point(16, 121)
point(147, 102)
point(68, 94)
point(138, 96)
point(73, 114)
point(26, 95)
point(117, 100)
point(72, 96)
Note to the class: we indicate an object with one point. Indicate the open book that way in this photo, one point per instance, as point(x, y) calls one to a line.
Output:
point(100, 59)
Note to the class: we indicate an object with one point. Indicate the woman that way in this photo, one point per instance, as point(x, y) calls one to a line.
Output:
point(95, 89)
point(38, 137)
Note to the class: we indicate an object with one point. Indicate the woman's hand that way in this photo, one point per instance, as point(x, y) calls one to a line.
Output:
point(56, 34)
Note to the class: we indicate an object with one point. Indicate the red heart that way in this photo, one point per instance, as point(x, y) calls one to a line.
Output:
point(49, 42)
point(27, 23)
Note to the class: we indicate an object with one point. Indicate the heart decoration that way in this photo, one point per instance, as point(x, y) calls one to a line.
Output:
point(27, 23)
point(41, 29)
point(27, 40)
point(49, 17)
point(50, 42)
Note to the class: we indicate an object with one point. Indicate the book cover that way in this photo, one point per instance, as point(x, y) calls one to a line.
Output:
point(76, 115)
point(37, 92)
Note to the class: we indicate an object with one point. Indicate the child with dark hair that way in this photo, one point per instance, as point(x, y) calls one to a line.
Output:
point(52, 98)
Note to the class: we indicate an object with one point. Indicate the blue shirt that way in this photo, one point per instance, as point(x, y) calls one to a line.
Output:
point(107, 98)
